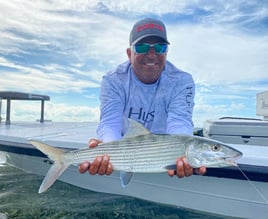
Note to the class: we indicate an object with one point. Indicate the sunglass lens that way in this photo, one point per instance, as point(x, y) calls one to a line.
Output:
point(160, 48)
point(144, 48)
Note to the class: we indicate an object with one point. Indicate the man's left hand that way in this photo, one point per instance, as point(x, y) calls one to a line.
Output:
point(183, 169)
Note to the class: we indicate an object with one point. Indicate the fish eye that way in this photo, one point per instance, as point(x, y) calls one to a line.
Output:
point(215, 147)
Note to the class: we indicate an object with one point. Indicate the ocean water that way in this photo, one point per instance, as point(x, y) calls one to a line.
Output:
point(19, 199)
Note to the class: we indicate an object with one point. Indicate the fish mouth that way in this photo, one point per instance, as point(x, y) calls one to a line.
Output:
point(231, 160)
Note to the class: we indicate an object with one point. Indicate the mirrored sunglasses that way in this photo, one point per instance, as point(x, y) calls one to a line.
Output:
point(144, 48)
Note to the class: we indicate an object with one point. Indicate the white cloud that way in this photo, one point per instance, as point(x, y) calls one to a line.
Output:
point(210, 52)
point(204, 111)
point(78, 41)
point(30, 111)
point(215, 54)
point(66, 112)
point(144, 7)
point(42, 82)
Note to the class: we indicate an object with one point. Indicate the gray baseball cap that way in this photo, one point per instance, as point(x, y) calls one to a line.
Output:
point(147, 27)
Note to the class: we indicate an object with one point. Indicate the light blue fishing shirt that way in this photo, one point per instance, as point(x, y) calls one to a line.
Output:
point(164, 107)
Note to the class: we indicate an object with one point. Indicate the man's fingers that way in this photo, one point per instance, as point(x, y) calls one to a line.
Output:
point(183, 168)
point(171, 172)
point(94, 167)
point(188, 170)
point(180, 169)
point(109, 169)
point(83, 167)
point(93, 142)
point(103, 165)
point(201, 170)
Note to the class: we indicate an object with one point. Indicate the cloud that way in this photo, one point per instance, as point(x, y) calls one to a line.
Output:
point(74, 34)
point(204, 112)
point(216, 54)
point(29, 111)
point(65, 47)
point(46, 78)
point(228, 99)
point(134, 7)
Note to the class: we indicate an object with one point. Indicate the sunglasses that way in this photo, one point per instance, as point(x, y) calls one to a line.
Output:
point(144, 48)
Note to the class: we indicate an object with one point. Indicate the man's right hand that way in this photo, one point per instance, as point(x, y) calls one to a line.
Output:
point(101, 165)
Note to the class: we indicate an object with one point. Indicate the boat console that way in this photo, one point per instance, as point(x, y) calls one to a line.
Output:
point(249, 131)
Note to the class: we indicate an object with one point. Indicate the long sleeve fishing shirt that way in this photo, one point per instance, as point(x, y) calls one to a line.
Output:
point(164, 107)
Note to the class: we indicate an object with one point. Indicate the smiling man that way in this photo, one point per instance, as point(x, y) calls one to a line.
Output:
point(148, 89)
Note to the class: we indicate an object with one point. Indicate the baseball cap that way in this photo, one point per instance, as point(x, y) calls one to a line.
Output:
point(147, 27)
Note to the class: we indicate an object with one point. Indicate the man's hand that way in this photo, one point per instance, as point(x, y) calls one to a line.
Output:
point(183, 169)
point(101, 165)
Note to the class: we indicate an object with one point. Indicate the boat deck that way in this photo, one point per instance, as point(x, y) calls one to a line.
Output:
point(61, 134)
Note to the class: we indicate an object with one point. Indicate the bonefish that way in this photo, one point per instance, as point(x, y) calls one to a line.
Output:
point(142, 152)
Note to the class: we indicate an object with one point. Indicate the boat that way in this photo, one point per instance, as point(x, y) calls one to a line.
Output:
point(221, 191)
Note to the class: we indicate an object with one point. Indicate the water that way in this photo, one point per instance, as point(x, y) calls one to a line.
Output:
point(19, 200)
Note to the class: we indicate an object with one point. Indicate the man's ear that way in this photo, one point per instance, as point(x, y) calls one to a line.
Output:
point(129, 53)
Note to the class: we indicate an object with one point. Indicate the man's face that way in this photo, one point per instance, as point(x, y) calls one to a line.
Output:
point(147, 67)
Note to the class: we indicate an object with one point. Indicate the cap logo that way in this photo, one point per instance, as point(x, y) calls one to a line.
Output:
point(150, 26)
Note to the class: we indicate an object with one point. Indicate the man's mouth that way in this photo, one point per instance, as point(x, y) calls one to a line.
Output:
point(150, 64)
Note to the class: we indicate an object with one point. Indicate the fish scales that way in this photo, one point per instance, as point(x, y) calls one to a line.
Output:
point(141, 154)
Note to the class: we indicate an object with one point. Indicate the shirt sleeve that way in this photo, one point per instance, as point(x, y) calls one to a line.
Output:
point(111, 110)
point(180, 108)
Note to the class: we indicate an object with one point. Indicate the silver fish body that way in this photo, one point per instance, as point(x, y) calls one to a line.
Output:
point(155, 153)
point(143, 153)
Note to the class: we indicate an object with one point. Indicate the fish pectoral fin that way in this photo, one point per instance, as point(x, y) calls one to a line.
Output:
point(171, 167)
point(125, 178)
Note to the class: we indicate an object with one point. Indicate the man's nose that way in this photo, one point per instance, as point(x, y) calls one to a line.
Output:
point(151, 52)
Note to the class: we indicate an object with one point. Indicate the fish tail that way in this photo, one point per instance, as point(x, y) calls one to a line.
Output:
point(58, 167)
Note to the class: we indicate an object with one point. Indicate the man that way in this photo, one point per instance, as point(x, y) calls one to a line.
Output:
point(148, 89)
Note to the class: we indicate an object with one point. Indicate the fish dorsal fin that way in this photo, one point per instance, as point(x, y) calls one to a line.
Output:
point(135, 129)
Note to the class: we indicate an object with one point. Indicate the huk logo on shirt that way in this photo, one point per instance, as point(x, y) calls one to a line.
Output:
point(140, 114)
point(189, 96)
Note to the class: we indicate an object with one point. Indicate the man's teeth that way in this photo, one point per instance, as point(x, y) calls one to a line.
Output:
point(149, 63)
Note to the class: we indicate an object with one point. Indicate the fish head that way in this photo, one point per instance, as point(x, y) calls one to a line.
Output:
point(211, 153)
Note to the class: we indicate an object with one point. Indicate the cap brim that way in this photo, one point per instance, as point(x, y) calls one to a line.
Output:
point(148, 35)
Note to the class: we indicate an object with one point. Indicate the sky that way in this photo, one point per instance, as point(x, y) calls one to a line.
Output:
point(62, 48)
